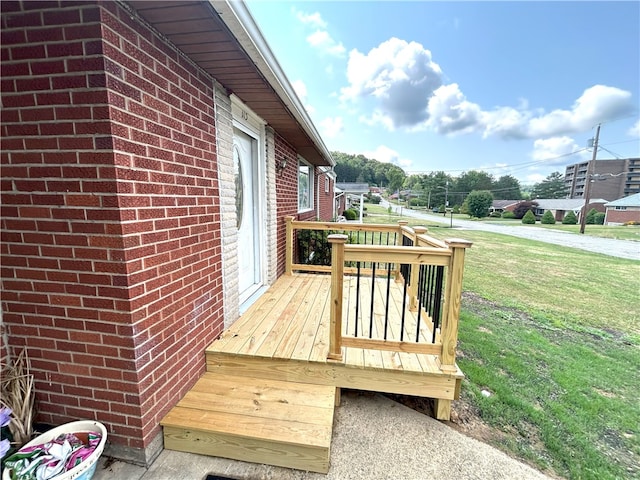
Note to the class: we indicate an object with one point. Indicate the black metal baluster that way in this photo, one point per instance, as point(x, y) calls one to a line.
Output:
point(421, 293)
point(404, 309)
point(438, 303)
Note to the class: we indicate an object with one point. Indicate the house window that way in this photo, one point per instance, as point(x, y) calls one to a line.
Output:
point(326, 184)
point(621, 208)
point(305, 186)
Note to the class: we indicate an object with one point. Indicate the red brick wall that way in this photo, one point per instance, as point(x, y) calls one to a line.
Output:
point(111, 266)
point(286, 194)
point(631, 214)
point(325, 199)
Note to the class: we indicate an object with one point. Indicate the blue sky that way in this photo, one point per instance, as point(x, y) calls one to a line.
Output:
point(512, 88)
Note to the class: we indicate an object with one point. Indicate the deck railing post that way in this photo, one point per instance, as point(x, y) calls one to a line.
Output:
point(418, 231)
point(452, 301)
point(337, 242)
point(399, 242)
point(289, 245)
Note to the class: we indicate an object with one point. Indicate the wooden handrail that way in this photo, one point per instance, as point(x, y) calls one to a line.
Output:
point(426, 250)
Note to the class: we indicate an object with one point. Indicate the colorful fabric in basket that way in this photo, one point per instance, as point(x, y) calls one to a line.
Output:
point(45, 461)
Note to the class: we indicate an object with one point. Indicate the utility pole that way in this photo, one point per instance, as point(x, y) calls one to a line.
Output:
point(446, 198)
point(587, 186)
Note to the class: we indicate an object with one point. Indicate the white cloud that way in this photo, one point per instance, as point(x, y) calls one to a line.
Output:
point(332, 126)
point(314, 19)
point(555, 150)
point(399, 76)
point(387, 155)
point(301, 90)
point(597, 104)
point(451, 113)
point(634, 131)
point(321, 40)
point(403, 88)
point(534, 178)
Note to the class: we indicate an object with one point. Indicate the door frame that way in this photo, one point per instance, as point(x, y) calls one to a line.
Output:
point(249, 123)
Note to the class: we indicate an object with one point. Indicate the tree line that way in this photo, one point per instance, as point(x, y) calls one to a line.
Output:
point(437, 188)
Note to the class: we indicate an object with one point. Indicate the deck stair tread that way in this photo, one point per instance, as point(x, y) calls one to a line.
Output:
point(257, 420)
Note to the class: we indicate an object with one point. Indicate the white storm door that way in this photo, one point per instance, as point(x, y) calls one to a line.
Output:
point(250, 267)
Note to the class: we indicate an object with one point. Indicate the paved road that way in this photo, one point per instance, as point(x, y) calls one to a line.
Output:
point(607, 246)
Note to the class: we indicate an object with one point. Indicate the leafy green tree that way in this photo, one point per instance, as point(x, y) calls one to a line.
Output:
point(358, 168)
point(396, 178)
point(468, 182)
point(529, 218)
point(506, 188)
point(551, 187)
point(478, 203)
point(548, 218)
point(570, 218)
point(590, 219)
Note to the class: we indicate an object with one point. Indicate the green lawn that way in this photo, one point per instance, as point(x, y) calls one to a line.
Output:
point(553, 333)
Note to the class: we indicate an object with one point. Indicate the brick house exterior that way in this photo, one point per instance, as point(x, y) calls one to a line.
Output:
point(623, 210)
point(119, 252)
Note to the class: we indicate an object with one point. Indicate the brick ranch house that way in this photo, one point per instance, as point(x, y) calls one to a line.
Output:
point(150, 151)
point(623, 210)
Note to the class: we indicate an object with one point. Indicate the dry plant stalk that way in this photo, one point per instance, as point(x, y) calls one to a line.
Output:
point(18, 394)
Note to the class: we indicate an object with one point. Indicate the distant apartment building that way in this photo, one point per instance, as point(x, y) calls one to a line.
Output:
point(613, 179)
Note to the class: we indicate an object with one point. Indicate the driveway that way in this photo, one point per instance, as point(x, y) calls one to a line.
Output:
point(606, 246)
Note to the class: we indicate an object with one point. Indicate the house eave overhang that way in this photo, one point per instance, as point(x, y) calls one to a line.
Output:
point(222, 38)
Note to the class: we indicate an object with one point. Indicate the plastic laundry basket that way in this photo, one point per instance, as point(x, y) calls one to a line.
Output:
point(87, 468)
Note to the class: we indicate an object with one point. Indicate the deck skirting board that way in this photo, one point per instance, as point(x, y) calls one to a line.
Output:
point(437, 385)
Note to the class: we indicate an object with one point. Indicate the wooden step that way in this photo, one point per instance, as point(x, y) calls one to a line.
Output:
point(274, 422)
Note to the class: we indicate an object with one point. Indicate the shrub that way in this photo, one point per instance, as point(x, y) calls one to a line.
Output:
point(529, 218)
point(590, 219)
point(369, 198)
point(548, 218)
point(495, 215)
point(418, 202)
point(508, 214)
point(599, 218)
point(570, 219)
point(313, 247)
point(350, 214)
point(630, 223)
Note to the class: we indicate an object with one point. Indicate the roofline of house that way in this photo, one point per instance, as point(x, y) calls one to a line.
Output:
point(237, 17)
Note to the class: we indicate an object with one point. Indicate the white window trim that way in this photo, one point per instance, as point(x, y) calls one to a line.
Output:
point(302, 161)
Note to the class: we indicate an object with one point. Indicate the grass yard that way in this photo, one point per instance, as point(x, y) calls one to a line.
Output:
point(553, 335)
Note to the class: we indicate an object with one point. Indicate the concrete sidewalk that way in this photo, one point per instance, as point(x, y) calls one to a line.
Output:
point(373, 438)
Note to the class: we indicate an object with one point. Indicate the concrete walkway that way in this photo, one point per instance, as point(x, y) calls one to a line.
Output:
point(606, 246)
point(373, 438)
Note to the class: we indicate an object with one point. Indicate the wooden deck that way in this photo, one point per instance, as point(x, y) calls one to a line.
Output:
point(288, 328)
point(269, 391)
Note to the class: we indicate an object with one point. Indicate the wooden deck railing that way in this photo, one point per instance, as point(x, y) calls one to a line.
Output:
point(429, 270)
